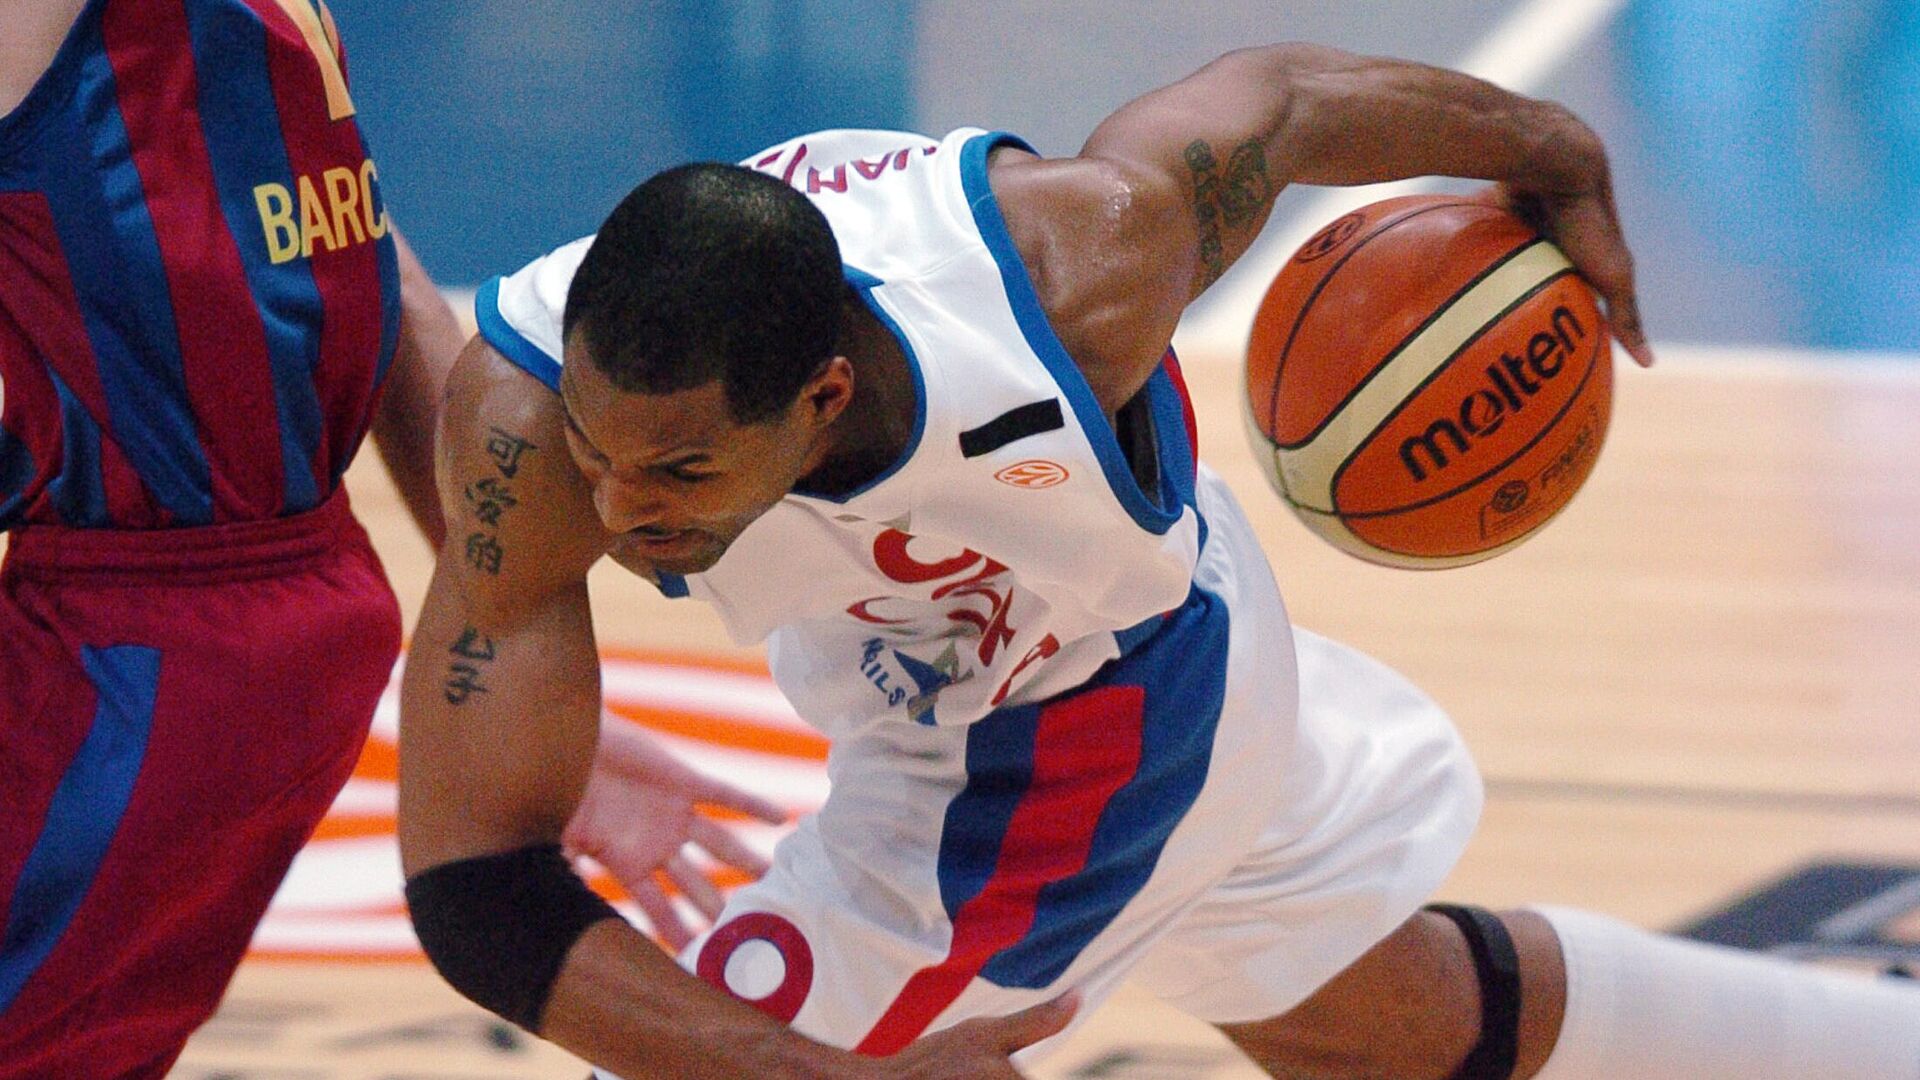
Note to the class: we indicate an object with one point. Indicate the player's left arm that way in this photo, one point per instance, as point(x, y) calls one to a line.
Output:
point(409, 409)
point(1174, 186)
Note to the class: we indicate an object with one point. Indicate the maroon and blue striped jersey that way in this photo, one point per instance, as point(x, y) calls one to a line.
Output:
point(199, 293)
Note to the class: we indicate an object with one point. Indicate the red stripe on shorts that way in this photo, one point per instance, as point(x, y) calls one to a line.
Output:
point(1086, 748)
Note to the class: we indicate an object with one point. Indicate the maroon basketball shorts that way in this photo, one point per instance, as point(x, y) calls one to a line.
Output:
point(177, 711)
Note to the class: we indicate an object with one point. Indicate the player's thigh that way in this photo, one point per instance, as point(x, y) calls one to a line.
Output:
point(1381, 798)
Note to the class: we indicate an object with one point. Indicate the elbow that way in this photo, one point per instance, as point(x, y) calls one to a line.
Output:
point(498, 927)
point(1291, 63)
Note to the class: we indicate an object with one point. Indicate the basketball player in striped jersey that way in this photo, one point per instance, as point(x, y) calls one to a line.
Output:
point(203, 310)
point(904, 407)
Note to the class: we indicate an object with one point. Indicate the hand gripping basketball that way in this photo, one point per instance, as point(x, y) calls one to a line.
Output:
point(1429, 381)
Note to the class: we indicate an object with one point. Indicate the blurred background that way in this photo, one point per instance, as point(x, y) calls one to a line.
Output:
point(1768, 151)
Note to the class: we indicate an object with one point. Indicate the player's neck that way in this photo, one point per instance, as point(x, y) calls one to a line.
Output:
point(874, 429)
point(34, 31)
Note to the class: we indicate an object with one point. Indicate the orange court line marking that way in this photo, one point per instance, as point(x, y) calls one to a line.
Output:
point(720, 731)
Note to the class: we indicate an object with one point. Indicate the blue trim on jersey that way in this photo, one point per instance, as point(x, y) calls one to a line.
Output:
point(509, 342)
point(1182, 669)
point(1046, 344)
point(866, 283)
point(1138, 634)
point(85, 811)
point(78, 494)
point(671, 586)
point(100, 214)
point(246, 148)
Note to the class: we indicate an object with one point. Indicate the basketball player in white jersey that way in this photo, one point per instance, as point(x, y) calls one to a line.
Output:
point(904, 408)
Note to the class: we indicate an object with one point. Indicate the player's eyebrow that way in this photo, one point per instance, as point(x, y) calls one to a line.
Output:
point(670, 460)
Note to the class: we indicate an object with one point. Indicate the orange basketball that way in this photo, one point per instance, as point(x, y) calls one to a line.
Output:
point(1428, 381)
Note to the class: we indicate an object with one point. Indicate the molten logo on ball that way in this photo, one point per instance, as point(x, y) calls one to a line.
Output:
point(1508, 389)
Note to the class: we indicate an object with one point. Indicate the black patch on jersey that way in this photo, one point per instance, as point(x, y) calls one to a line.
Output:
point(1035, 419)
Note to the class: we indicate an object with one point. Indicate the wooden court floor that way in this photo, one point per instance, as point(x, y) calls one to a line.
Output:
point(1705, 674)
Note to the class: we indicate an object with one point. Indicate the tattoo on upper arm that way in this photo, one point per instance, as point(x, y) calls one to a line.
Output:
point(490, 497)
point(1231, 199)
point(484, 552)
point(471, 653)
point(505, 448)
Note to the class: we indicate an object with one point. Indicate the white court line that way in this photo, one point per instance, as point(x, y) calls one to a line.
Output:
point(1527, 46)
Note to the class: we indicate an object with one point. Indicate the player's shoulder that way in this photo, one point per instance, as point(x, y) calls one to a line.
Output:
point(1092, 234)
point(522, 314)
point(487, 390)
point(520, 512)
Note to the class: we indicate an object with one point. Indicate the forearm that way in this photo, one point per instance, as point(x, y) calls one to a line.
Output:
point(1210, 154)
point(409, 409)
point(1343, 119)
point(497, 732)
point(625, 1005)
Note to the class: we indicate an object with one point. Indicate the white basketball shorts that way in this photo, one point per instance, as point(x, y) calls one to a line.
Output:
point(1229, 814)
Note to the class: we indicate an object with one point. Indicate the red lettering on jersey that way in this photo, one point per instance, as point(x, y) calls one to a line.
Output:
point(890, 555)
point(1047, 647)
point(987, 573)
point(782, 1002)
point(900, 159)
point(815, 185)
point(862, 612)
point(870, 170)
point(794, 163)
point(992, 627)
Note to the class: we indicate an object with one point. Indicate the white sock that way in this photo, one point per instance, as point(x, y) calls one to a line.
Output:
point(1643, 1006)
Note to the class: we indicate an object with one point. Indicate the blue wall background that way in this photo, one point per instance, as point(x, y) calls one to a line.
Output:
point(1767, 151)
point(504, 128)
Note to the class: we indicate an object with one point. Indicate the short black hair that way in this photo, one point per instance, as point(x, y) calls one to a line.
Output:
point(711, 271)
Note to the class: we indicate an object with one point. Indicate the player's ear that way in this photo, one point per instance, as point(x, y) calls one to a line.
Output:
point(827, 392)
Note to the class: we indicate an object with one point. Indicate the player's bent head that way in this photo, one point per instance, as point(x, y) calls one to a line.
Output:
point(711, 271)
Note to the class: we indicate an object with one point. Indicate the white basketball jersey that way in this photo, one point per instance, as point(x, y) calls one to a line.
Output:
point(1011, 550)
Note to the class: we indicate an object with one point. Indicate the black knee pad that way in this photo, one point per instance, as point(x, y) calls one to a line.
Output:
point(1497, 965)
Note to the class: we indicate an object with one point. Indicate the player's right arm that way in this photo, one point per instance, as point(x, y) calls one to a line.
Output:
point(499, 716)
point(500, 699)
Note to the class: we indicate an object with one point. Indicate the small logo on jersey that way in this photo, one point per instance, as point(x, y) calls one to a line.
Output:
point(1033, 474)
